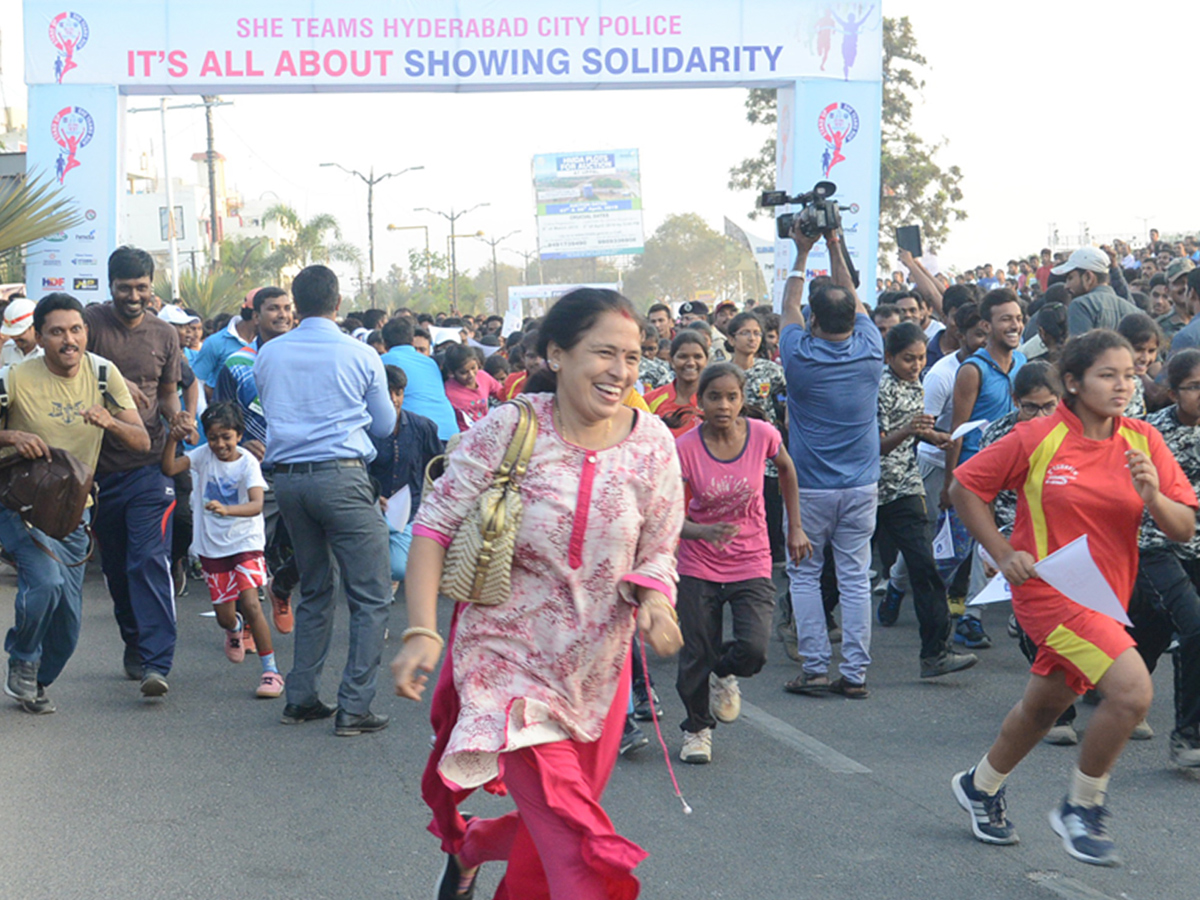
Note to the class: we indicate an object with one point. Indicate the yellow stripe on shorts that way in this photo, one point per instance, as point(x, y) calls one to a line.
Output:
point(1080, 652)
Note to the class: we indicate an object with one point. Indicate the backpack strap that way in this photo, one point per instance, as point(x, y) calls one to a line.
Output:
point(100, 367)
point(4, 396)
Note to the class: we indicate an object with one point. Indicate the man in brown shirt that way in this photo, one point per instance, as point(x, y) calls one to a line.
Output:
point(134, 516)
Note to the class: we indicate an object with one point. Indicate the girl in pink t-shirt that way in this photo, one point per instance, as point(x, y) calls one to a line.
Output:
point(725, 553)
point(468, 388)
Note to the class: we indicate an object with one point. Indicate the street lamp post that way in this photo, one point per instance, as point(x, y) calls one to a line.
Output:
point(526, 255)
point(425, 228)
point(452, 217)
point(370, 181)
point(492, 242)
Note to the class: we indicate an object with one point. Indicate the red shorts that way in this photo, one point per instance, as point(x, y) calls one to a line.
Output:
point(1079, 642)
point(228, 576)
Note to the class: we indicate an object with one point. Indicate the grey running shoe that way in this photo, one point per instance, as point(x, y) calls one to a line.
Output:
point(21, 683)
point(1063, 735)
point(40, 706)
point(154, 684)
point(1185, 748)
point(946, 662)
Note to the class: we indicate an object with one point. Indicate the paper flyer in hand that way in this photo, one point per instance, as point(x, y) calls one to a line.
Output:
point(967, 428)
point(1071, 570)
point(943, 544)
point(399, 506)
point(998, 590)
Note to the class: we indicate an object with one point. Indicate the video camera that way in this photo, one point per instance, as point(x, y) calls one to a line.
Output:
point(819, 215)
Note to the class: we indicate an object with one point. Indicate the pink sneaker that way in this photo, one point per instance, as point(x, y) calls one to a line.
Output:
point(235, 647)
point(271, 686)
point(248, 641)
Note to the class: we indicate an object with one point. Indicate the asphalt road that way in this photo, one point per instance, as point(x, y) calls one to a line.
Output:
point(205, 795)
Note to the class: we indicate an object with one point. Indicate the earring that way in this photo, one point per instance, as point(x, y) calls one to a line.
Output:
point(554, 367)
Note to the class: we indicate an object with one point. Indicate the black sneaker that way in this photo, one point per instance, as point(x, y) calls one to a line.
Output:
point(21, 683)
point(41, 706)
point(1084, 833)
point(633, 738)
point(969, 632)
point(646, 707)
point(989, 819)
point(946, 662)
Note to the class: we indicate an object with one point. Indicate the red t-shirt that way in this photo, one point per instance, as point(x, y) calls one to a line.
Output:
point(663, 402)
point(513, 384)
point(728, 491)
point(1068, 485)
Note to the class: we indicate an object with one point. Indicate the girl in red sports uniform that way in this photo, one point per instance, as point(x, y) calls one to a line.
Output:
point(1086, 469)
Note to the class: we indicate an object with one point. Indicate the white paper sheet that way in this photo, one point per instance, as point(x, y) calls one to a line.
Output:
point(998, 590)
point(399, 505)
point(943, 544)
point(967, 428)
point(1071, 570)
point(442, 335)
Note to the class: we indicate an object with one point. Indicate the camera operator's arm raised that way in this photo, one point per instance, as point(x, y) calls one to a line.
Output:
point(793, 290)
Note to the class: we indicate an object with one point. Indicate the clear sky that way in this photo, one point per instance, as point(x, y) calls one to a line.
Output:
point(1059, 111)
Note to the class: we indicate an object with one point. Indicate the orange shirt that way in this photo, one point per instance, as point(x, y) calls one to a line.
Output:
point(513, 384)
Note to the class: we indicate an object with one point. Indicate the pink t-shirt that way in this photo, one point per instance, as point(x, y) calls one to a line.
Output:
point(472, 405)
point(728, 491)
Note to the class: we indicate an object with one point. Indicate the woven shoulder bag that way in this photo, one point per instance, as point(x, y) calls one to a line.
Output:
point(479, 561)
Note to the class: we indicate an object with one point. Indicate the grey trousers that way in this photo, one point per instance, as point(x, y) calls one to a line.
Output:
point(331, 514)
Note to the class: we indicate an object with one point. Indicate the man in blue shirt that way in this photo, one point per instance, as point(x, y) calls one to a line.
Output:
point(216, 349)
point(324, 396)
point(426, 391)
point(833, 373)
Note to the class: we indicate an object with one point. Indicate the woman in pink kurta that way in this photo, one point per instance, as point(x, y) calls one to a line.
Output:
point(535, 690)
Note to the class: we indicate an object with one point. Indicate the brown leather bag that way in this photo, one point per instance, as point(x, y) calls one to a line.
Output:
point(50, 494)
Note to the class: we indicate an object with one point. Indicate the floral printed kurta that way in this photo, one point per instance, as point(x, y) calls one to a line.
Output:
point(544, 666)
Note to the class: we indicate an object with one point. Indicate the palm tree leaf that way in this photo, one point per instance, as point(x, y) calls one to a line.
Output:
point(33, 209)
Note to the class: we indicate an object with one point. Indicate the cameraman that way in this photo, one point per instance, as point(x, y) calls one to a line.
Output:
point(833, 374)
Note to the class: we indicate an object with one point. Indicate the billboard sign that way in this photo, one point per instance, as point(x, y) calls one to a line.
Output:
point(588, 204)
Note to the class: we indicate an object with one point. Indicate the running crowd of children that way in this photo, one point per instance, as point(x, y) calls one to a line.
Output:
point(836, 460)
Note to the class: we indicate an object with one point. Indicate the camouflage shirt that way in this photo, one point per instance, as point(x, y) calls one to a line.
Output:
point(654, 373)
point(1184, 442)
point(899, 475)
point(1136, 408)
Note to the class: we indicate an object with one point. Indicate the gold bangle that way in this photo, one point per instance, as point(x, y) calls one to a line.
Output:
point(663, 602)
point(423, 632)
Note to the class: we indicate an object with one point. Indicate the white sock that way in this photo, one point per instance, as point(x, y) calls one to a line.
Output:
point(237, 626)
point(987, 780)
point(1087, 791)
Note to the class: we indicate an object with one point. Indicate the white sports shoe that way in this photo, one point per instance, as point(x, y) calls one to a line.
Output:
point(697, 747)
point(724, 697)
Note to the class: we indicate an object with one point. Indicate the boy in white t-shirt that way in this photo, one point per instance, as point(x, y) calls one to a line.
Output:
point(228, 533)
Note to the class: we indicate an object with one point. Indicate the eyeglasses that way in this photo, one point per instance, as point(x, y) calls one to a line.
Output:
point(1039, 409)
point(745, 333)
point(1188, 388)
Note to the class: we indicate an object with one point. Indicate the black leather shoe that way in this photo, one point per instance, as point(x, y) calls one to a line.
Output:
point(294, 713)
point(349, 725)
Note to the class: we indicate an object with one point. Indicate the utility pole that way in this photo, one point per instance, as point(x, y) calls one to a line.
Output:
point(453, 217)
point(492, 242)
point(172, 242)
point(214, 248)
point(526, 255)
point(370, 181)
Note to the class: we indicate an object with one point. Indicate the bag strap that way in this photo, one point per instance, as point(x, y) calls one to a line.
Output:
point(520, 447)
point(101, 370)
point(54, 556)
point(4, 396)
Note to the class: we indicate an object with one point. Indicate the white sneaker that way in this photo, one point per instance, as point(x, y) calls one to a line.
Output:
point(724, 697)
point(1142, 731)
point(697, 747)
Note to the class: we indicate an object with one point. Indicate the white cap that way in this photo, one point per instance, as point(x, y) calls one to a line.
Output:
point(360, 334)
point(1090, 259)
point(176, 315)
point(18, 317)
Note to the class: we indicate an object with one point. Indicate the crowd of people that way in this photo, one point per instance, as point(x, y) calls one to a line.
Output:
point(807, 469)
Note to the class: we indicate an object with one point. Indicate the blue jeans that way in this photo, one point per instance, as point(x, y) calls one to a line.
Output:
point(398, 544)
point(134, 521)
point(49, 594)
point(332, 515)
point(844, 519)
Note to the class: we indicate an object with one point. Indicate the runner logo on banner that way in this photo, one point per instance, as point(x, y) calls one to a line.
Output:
point(68, 33)
point(71, 129)
point(838, 125)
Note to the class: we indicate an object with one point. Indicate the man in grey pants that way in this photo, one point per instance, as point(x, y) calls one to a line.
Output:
point(323, 395)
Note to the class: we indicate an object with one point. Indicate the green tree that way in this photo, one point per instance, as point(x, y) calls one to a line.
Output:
point(914, 188)
point(319, 240)
point(208, 293)
point(31, 208)
point(684, 256)
point(485, 284)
